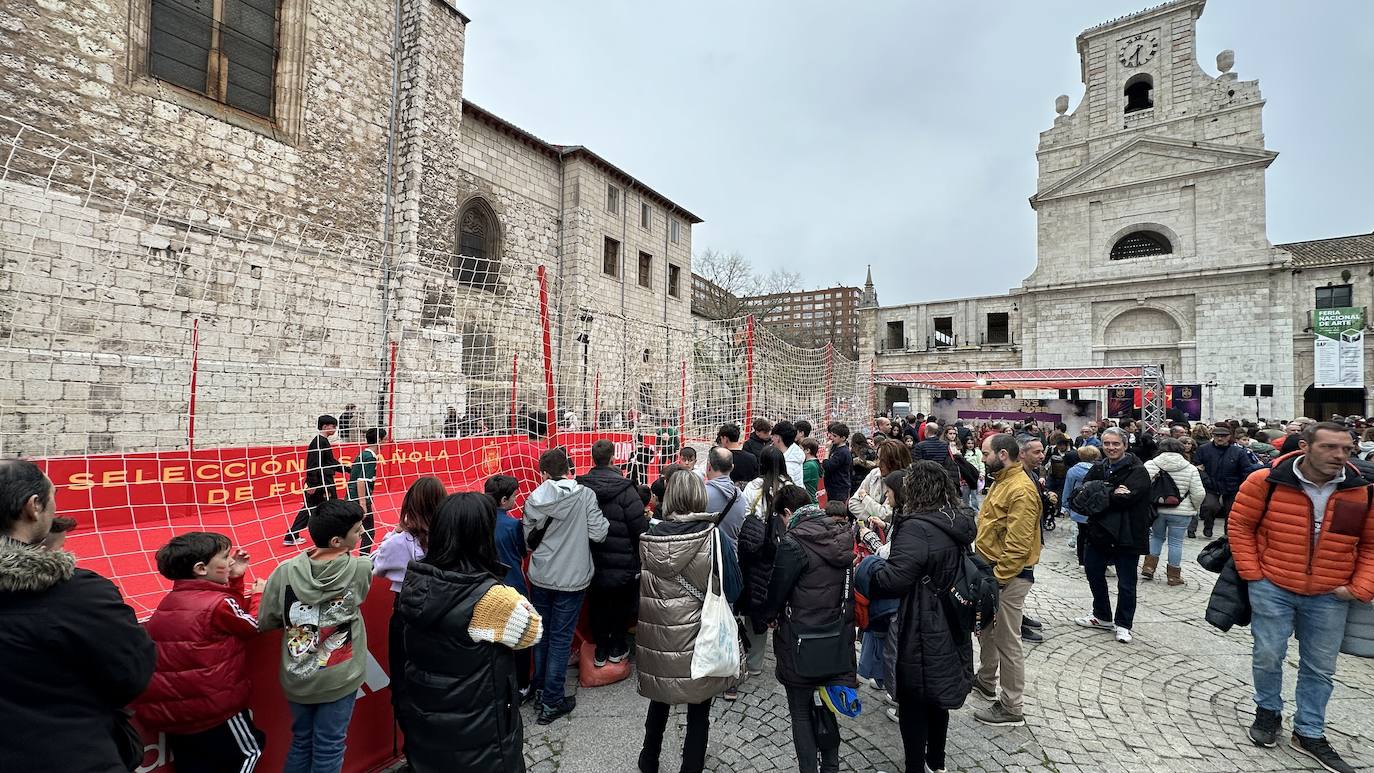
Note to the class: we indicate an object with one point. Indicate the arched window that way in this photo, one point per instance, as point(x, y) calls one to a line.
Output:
point(1139, 93)
point(478, 262)
point(1141, 244)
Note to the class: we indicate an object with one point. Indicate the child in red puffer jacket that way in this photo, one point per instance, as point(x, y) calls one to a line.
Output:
point(199, 693)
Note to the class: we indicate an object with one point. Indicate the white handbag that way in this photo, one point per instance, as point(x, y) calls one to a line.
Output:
point(716, 652)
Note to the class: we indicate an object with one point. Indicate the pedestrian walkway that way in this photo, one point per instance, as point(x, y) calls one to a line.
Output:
point(1177, 698)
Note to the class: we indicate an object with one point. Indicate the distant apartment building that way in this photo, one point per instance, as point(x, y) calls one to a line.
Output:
point(813, 318)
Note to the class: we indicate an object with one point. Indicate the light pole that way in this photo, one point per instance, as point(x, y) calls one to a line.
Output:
point(585, 338)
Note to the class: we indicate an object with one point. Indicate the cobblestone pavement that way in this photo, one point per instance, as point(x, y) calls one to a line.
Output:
point(1177, 698)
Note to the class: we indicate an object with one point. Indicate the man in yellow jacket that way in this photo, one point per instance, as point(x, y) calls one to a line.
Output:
point(1009, 538)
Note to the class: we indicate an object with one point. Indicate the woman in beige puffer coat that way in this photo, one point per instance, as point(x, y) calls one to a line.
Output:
point(676, 558)
point(1171, 523)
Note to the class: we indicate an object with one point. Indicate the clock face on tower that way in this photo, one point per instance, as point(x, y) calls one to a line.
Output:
point(1139, 49)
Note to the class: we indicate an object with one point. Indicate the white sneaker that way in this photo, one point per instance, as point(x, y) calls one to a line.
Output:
point(1093, 622)
point(1123, 635)
point(893, 715)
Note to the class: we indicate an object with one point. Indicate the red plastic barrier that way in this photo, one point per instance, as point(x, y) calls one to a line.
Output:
point(370, 736)
point(117, 490)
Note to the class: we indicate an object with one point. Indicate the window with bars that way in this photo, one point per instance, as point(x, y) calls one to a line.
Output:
point(610, 257)
point(646, 268)
point(223, 49)
point(1141, 244)
point(999, 328)
point(478, 262)
point(1334, 297)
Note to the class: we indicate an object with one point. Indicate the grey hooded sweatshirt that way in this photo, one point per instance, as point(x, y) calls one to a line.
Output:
point(563, 560)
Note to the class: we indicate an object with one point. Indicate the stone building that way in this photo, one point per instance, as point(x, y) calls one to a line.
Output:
point(1151, 242)
point(294, 202)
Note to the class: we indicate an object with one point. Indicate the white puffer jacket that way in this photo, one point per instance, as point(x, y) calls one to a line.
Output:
point(1186, 478)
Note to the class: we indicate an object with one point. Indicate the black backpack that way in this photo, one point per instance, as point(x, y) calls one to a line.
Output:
point(1164, 492)
point(1091, 498)
point(972, 596)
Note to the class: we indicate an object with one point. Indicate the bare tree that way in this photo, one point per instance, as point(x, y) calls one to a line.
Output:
point(735, 289)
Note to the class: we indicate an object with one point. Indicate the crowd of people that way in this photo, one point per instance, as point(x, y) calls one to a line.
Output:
point(864, 561)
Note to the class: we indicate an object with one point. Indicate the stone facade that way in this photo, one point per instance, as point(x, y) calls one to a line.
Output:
point(1151, 239)
point(298, 249)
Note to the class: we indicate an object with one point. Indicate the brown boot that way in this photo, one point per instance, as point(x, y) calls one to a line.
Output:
point(1175, 574)
point(1147, 569)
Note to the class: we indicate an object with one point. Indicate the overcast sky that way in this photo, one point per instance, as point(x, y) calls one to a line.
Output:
point(817, 138)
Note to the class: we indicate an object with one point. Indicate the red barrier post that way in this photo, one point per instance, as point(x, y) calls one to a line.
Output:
point(514, 376)
point(829, 379)
point(548, 355)
point(682, 409)
point(391, 397)
point(872, 392)
point(748, 372)
point(195, 368)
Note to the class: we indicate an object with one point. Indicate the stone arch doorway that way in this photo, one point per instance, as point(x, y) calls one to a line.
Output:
point(1321, 404)
point(1144, 336)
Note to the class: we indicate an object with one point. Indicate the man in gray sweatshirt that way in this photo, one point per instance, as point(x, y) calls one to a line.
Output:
point(562, 519)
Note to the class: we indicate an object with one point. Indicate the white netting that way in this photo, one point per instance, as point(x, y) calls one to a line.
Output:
point(166, 350)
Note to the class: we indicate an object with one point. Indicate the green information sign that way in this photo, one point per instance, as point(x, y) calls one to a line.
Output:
point(1339, 348)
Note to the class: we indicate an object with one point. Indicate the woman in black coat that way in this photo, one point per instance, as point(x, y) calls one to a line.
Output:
point(929, 660)
point(460, 709)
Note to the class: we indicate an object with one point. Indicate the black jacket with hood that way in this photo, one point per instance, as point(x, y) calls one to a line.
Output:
point(807, 591)
point(758, 549)
point(617, 557)
point(460, 709)
point(75, 657)
point(923, 653)
point(1125, 525)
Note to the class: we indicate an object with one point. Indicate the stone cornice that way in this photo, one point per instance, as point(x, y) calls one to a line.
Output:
point(1246, 156)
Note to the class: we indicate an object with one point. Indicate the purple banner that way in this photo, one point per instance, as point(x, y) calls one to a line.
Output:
point(1012, 415)
point(1187, 398)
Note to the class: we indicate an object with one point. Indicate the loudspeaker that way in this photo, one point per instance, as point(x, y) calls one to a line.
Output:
point(1266, 390)
point(948, 394)
point(1063, 394)
point(1249, 390)
point(1073, 395)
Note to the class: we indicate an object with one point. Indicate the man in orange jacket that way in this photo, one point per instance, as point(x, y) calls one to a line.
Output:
point(1302, 533)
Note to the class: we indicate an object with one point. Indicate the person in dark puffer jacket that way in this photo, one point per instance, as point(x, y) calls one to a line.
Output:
point(75, 654)
point(460, 709)
point(614, 591)
point(930, 662)
point(200, 629)
point(812, 584)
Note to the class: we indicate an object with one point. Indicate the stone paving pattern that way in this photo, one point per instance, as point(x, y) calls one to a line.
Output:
point(1178, 698)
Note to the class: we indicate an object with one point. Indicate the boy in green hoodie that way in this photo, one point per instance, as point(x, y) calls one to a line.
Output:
point(316, 597)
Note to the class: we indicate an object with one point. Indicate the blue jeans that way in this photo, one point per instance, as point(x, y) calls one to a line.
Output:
point(1176, 526)
point(318, 731)
point(1319, 622)
point(560, 610)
